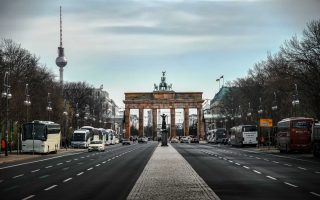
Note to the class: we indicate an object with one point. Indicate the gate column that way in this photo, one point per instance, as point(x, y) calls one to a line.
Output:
point(173, 123)
point(186, 121)
point(140, 122)
point(127, 123)
point(154, 124)
point(200, 130)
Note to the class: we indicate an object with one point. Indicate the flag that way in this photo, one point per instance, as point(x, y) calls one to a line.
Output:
point(218, 79)
point(221, 76)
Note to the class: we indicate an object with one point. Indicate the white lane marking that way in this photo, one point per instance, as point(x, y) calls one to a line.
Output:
point(302, 168)
point(256, 171)
point(89, 169)
point(37, 161)
point(316, 194)
point(317, 172)
point(266, 160)
point(75, 159)
point(237, 163)
point(231, 161)
point(220, 157)
point(82, 157)
point(29, 197)
point(68, 179)
point(104, 162)
point(44, 176)
point(225, 159)
point(113, 158)
point(66, 168)
point(97, 165)
point(18, 176)
point(33, 171)
point(68, 161)
point(48, 167)
point(271, 177)
point(258, 158)
point(60, 163)
point(109, 160)
point(275, 162)
point(290, 184)
point(288, 165)
point(79, 173)
point(246, 167)
point(51, 187)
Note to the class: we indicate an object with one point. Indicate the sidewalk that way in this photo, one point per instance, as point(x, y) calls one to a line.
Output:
point(168, 175)
point(13, 156)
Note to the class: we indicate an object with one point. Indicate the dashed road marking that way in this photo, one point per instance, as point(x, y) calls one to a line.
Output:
point(28, 197)
point(256, 171)
point(246, 167)
point(82, 157)
point(276, 162)
point(68, 179)
point(316, 194)
point(258, 158)
point(317, 172)
point(290, 184)
point(75, 159)
point(59, 163)
point(48, 167)
point(89, 169)
point(271, 177)
point(237, 163)
point(51, 187)
point(68, 161)
point(302, 168)
point(288, 165)
point(104, 162)
point(266, 160)
point(109, 160)
point(33, 171)
point(66, 168)
point(79, 173)
point(231, 161)
point(97, 165)
point(44, 176)
point(18, 176)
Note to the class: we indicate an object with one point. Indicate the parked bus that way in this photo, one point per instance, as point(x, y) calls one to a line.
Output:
point(315, 139)
point(294, 134)
point(81, 138)
point(90, 128)
point(41, 137)
point(244, 135)
point(111, 137)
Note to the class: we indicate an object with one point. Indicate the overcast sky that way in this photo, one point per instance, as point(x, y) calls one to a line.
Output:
point(126, 44)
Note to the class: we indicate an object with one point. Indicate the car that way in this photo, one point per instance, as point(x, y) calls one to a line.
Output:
point(126, 142)
point(97, 145)
point(142, 140)
point(185, 139)
point(194, 140)
point(174, 140)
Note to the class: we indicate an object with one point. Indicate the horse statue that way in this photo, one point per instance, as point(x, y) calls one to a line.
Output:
point(155, 87)
point(170, 87)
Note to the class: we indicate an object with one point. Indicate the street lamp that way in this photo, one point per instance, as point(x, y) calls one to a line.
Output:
point(7, 95)
point(27, 102)
point(65, 114)
point(274, 106)
point(260, 111)
point(49, 108)
point(295, 101)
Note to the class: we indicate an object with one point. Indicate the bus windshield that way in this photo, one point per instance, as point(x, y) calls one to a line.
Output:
point(78, 137)
point(249, 128)
point(34, 131)
point(302, 124)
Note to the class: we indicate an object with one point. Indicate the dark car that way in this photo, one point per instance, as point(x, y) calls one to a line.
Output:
point(194, 140)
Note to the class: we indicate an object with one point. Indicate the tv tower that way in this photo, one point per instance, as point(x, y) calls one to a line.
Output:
point(61, 60)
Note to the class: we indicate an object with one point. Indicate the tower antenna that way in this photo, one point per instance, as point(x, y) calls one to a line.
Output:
point(61, 60)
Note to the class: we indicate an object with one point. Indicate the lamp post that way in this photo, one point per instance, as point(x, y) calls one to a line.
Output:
point(49, 108)
point(77, 116)
point(65, 114)
point(295, 101)
point(7, 95)
point(27, 102)
point(249, 111)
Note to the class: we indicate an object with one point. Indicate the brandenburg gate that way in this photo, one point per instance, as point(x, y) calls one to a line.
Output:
point(163, 97)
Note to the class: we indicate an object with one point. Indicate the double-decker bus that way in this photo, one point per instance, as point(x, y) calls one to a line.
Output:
point(294, 134)
point(41, 137)
point(81, 138)
point(244, 135)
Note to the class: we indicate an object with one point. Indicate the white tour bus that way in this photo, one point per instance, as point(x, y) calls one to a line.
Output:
point(111, 137)
point(244, 135)
point(41, 137)
point(81, 138)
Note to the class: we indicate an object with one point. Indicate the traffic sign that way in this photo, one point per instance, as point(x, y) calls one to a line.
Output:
point(265, 122)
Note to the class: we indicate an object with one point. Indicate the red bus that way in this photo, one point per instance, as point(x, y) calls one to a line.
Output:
point(294, 134)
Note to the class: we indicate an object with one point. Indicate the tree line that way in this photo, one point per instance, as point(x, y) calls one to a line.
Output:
point(285, 84)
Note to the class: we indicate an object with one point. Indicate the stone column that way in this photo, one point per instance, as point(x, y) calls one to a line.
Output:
point(200, 128)
point(186, 121)
point(127, 123)
point(154, 123)
point(173, 130)
point(140, 122)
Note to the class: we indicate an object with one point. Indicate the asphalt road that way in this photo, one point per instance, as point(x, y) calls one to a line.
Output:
point(95, 175)
point(244, 173)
